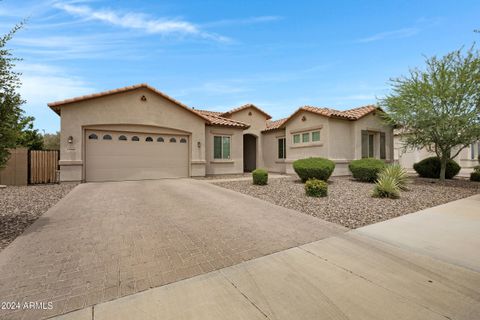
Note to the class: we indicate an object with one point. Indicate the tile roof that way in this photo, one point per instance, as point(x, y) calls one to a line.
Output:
point(276, 124)
point(351, 114)
point(55, 106)
point(215, 119)
point(245, 106)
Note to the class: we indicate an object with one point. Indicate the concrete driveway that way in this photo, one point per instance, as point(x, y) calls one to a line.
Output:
point(107, 240)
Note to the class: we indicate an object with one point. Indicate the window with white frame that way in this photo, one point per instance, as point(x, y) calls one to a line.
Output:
point(221, 147)
point(282, 148)
point(306, 137)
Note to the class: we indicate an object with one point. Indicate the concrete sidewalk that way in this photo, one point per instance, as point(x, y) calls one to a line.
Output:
point(349, 276)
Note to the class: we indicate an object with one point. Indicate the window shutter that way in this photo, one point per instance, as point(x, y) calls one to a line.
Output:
point(364, 144)
point(383, 154)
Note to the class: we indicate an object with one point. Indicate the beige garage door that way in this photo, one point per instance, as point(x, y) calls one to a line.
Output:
point(118, 156)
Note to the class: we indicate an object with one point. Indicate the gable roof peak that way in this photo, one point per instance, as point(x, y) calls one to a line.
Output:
point(246, 106)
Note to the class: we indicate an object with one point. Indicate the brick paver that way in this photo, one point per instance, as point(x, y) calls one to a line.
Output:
point(107, 240)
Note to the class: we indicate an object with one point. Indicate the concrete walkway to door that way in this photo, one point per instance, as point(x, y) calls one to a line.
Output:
point(365, 274)
point(108, 240)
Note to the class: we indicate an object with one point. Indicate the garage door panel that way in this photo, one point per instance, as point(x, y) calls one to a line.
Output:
point(116, 160)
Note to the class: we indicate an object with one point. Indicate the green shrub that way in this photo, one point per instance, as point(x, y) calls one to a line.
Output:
point(386, 187)
point(396, 172)
point(260, 177)
point(318, 168)
point(476, 169)
point(316, 188)
point(475, 176)
point(430, 168)
point(366, 169)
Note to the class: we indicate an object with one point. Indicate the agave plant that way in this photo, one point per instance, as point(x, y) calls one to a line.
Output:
point(386, 187)
point(397, 172)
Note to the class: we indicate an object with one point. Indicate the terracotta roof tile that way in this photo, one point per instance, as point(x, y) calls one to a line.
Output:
point(215, 119)
point(273, 125)
point(245, 106)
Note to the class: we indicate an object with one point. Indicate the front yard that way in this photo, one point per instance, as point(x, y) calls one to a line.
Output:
point(21, 206)
point(349, 202)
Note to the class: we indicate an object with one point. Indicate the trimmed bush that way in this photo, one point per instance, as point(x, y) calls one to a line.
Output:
point(314, 168)
point(475, 175)
point(260, 177)
point(386, 187)
point(396, 172)
point(430, 168)
point(367, 169)
point(316, 188)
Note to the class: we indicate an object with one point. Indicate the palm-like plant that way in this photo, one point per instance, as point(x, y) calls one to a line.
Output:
point(386, 187)
point(397, 172)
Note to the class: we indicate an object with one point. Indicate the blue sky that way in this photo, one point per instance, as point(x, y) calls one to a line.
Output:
point(218, 55)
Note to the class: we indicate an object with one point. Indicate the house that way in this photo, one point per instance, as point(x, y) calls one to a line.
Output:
point(138, 132)
point(406, 157)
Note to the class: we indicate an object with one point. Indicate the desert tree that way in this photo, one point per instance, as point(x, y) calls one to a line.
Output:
point(438, 108)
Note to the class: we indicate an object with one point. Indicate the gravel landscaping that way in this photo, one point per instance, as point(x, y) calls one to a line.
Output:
point(21, 206)
point(349, 202)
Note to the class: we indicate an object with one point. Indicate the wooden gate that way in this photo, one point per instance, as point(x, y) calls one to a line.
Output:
point(43, 166)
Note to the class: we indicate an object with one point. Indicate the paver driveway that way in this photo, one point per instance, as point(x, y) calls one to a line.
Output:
point(106, 240)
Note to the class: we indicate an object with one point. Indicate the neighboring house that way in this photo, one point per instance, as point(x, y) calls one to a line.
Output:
point(406, 157)
point(138, 132)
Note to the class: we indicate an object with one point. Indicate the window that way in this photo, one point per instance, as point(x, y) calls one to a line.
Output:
point(383, 153)
point(368, 139)
point(107, 137)
point(221, 147)
point(93, 136)
point(122, 138)
point(148, 139)
point(305, 137)
point(475, 151)
point(172, 139)
point(315, 136)
point(135, 138)
point(160, 139)
point(282, 154)
point(296, 138)
point(183, 140)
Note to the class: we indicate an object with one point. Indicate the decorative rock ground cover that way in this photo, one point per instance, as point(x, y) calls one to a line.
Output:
point(21, 206)
point(349, 202)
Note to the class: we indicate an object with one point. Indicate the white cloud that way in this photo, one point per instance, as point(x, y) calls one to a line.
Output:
point(244, 21)
point(395, 34)
point(140, 21)
point(42, 83)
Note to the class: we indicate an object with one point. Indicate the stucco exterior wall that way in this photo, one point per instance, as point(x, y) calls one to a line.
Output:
point(373, 122)
point(257, 122)
point(126, 109)
point(233, 165)
point(311, 122)
point(270, 151)
point(406, 157)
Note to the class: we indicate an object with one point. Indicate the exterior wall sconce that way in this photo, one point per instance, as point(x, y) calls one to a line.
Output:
point(250, 113)
point(304, 118)
point(199, 144)
point(70, 139)
point(143, 98)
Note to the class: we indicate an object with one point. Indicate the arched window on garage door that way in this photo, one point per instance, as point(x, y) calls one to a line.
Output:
point(122, 138)
point(135, 138)
point(183, 140)
point(172, 139)
point(107, 137)
point(93, 136)
point(148, 139)
point(160, 139)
